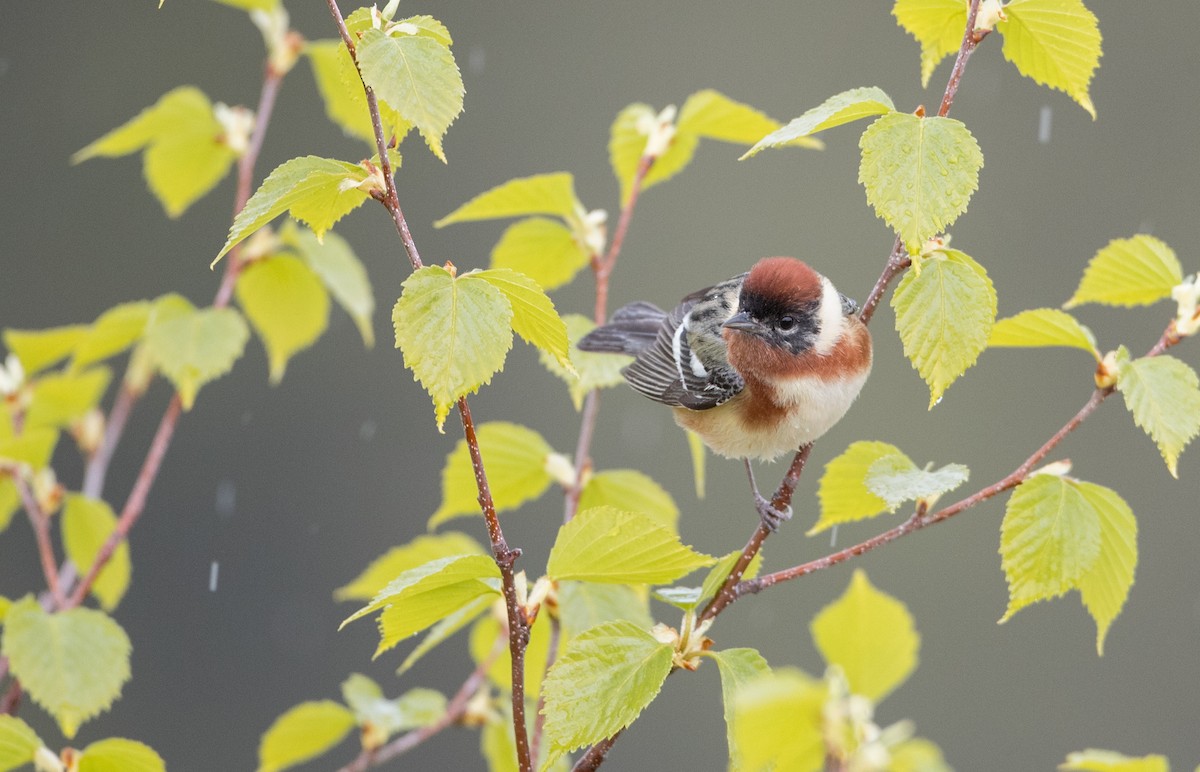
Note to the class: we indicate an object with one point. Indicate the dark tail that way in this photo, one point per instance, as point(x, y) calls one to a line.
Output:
point(631, 330)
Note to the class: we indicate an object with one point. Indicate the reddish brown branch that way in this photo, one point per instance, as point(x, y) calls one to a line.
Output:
point(41, 530)
point(595, 756)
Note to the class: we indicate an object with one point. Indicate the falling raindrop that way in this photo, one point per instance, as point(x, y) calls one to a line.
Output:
point(226, 502)
point(833, 536)
point(213, 570)
point(366, 432)
point(1044, 125)
point(476, 60)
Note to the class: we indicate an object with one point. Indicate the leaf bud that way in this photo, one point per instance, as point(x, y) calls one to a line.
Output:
point(1187, 295)
point(47, 491)
point(1106, 371)
point(480, 710)
point(659, 132)
point(990, 12)
point(88, 431)
point(237, 124)
point(560, 469)
point(44, 760)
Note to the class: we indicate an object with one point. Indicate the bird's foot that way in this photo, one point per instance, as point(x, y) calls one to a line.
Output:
point(771, 517)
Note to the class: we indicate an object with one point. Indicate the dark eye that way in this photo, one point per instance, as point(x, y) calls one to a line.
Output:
point(786, 323)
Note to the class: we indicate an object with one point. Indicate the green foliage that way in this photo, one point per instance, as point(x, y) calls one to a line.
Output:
point(342, 93)
point(73, 663)
point(870, 635)
point(583, 605)
point(302, 733)
point(489, 643)
point(550, 194)
point(445, 628)
point(718, 573)
point(38, 349)
point(18, 743)
point(193, 347)
point(87, 524)
point(543, 249)
point(846, 107)
point(919, 173)
point(592, 370)
point(10, 499)
point(937, 25)
point(1136, 271)
point(340, 270)
point(777, 722)
point(117, 754)
point(115, 330)
point(600, 683)
point(737, 667)
point(33, 446)
point(286, 304)
point(1163, 394)
point(696, 450)
point(187, 148)
point(896, 479)
point(516, 459)
point(1095, 760)
point(62, 398)
point(1056, 43)
point(380, 718)
point(533, 314)
point(631, 491)
point(397, 560)
point(604, 544)
point(1040, 327)
point(945, 308)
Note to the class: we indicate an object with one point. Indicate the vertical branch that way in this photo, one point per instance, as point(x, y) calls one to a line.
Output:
point(41, 530)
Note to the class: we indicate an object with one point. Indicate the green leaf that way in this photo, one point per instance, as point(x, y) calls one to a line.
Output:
point(454, 332)
point(286, 304)
point(117, 754)
point(917, 755)
point(718, 573)
point(38, 349)
point(533, 314)
point(631, 491)
point(251, 5)
point(342, 92)
point(945, 308)
point(193, 347)
point(1163, 394)
point(18, 743)
point(1104, 587)
point(545, 250)
point(1039, 327)
point(73, 663)
point(1054, 42)
point(552, 194)
point(62, 398)
point(838, 109)
point(627, 144)
point(33, 446)
point(87, 524)
point(10, 499)
point(444, 629)
point(607, 545)
point(316, 191)
point(938, 25)
point(870, 635)
point(584, 605)
point(415, 708)
point(712, 115)
point(115, 330)
point(696, 449)
point(422, 596)
point(592, 370)
point(1049, 540)
point(340, 270)
point(602, 681)
point(896, 479)
point(487, 634)
point(514, 457)
point(843, 491)
point(1095, 760)
point(737, 667)
point(499, 748)
point(777, 722)
point(397, 560)
point(302, 733)
point(417, 77)
point(919, 173)
point(186, 150)
point(1129, 272)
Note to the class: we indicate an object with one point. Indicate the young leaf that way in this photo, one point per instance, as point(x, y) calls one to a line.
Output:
point(287, 306)
point(552, 193)
point(737, 667)
point(1049, 540)
point(545, 250)
point(945, 310)
point(397, 560)
point(485, 636)
point(515, 459)
point(316, 191)
point(33, 446)
point(1105, 586)
point(712, 115)
point(896, 479)
point(602, 681)
point(1129, 272)
point(938, 25)
point(919, 173)
point(533, 314)
point(1095, 760)
point(718, 573)
point(192, 347)
point(1054, 42)
point(592, 370)
point(444, 629)
point(777, 722)
point(340, 271)
point(454, 332)
point(870, 635)
point(627, 144)
point(584, 605)
point(18, 743)
point(607, 545)
point(38, 349)
point(499, 747)
point(115, 330)
point(843, 491)
point(342, 92)
point(1042, 327)
point(187, 151)
point(10, 499)
point(302, 733)
point(838, 109)
point(73, 663)
point(87, 524)
point(631, 491)
point(118, 754)
point(383, 717)
point(417, 77)
point(60, 398)
point(1163, 394)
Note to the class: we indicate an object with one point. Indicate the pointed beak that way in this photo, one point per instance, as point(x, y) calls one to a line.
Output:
point(744, 322)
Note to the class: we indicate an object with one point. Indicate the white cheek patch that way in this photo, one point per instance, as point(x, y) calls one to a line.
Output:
point(833, 321)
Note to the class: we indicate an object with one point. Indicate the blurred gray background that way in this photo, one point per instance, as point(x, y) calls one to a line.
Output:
point(292, 490)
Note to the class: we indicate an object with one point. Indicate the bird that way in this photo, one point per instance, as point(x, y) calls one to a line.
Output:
point(758, 365)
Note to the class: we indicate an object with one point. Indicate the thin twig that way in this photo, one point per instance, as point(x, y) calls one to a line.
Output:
point(41, 530)
point(539, 719)
point(595, 756)
point(11, 699)
point(97, 467)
